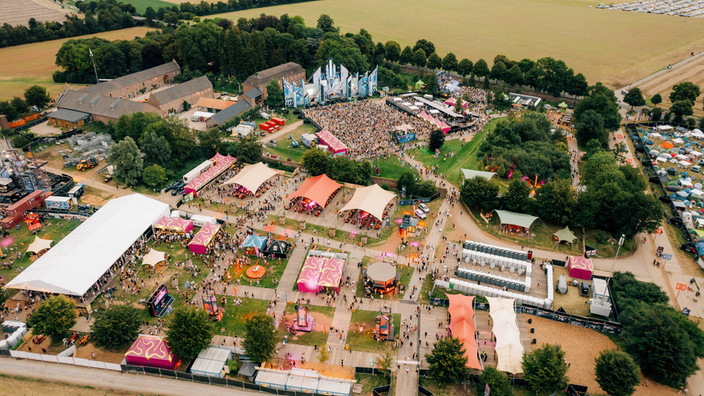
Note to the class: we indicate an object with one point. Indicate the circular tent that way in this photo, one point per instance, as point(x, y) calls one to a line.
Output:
point(251, 177)
point(372, 200)
point(382, 276)
point(315, 191)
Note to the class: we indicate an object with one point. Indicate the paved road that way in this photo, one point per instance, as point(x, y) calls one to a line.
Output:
point(140, 384)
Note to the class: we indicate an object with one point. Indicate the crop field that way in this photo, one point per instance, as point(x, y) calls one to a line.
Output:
point(18, 12)
point(33, 64)
point(614, 47)
point(662, 84)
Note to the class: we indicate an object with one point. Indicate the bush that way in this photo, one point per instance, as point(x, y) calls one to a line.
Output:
point(602, 237)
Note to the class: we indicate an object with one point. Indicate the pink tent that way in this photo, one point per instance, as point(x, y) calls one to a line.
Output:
point(335, 146)
point(444, 127)
point(451, 102)
point(151, 351)
point(174, 224)
point(221, 163)
point(580, 267)
point(331, 275)
point(200, 242)
point(310, 273)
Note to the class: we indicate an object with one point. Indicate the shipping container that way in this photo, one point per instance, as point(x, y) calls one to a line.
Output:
point(63, 203)
point(76, 191)
point(279, 121)
point(10, 222)
point(32, 201)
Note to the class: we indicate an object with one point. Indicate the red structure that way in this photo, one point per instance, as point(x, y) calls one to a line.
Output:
point(15, 213)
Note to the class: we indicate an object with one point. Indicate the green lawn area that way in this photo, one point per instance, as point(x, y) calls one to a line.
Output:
point(19, 241)
point(391, 168)
point(316, 337)
point(141, 5)
point(283, 144)
point(365, 342)
point(233, 321)
point(465, 155)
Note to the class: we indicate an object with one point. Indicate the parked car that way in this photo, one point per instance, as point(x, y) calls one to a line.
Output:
point(424, 207)
point(420, 214)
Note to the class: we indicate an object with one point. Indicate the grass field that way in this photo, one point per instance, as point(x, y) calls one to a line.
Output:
point(662, 84)
point(141, 5)
point(33, 64)
point(616, 48)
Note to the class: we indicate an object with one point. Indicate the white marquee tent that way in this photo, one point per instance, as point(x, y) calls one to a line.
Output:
point(79, 260)
point(372, 199)
point(509, 350)
point(39, 244)
point(153, 258)
point(252, 176)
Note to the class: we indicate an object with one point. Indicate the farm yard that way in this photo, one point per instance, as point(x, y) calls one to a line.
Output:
point(33, 64)
point(605, 46)
point(18, 12)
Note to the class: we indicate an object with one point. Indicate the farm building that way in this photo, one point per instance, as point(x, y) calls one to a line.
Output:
point(170, 100)
point(291, 72)
point(213, 105)
point(65, 118)
point(138, 83)
point(228, 114)
point(99, 107)
point(254, 96)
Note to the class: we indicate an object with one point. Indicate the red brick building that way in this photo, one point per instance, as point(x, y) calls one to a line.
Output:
point(291, 72)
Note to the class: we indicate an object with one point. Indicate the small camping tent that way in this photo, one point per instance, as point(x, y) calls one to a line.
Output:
point(565, 235)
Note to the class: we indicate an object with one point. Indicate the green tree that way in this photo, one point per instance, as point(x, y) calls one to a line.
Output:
point(591, 126)
point(518, 197)
point(431, 83)
point(434, 61)
point(498, 71)
point(364, 173)
point(556, 201)
point(481, 68)
point(427, 46)
point(419, 58)
point(54, 317)
point(464, 68)
point(393, 51)
point(514, 76)
point(8, 110)
point(156, 148)
point(449, 62)
point(684, 91)
point(260, 337)
point(36, 95)
point(479, 192)
point(211, 141)
point(656, 99)
point(436, 141)
point(274, 95)
point(617, 373)
point(680, 109)
point(406, 56)
point(385, 362)
point(249, 150)
point(498, 382)
point(603, 101)
point(115, 328)
point(19, 104)
point(408, 180)
point(190, 331)
point(126, 158)
point(448, 365)
point(544, 369)
point(634, 97)
point(154, 176)
point(326, 24)
point(316, 161)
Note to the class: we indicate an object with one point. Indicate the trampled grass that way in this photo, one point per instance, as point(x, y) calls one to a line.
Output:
point(616, 48)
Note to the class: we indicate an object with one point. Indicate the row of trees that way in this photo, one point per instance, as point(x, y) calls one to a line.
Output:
point(35, 95)
point(340, 168)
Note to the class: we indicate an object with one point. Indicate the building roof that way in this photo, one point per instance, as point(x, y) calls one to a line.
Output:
point(231, 112)
point(217, 104)
point(106, 106)
point(69, 115)
point(180, 91)
point(263, 77)
point(253, 93)
point(381, 271)
point(103, 88)
point(79, 260)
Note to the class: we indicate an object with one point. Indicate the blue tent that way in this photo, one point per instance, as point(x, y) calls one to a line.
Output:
point(255, 242)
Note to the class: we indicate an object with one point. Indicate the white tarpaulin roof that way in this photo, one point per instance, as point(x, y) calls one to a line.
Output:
point(664, 127)
point(252, 176)
point(372, 199)
point(471, 174)
point(513, 218)
point(79, 260)
point(153, 258)
point(39, 244)
point(509, 350)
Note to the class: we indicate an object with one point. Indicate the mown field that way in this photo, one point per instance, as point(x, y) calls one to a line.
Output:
point(609, 46)
point(33, 64)
point(692, 71)
point(141, 5)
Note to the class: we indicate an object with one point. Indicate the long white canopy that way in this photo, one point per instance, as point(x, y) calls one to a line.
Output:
point(39, 244)
point(153, 258)
point(372, 199)
point(252, 176)
point(79, 260)
point(509, 350)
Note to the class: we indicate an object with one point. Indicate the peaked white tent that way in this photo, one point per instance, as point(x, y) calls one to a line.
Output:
point(252, 176)
point(372, 199)
point(79, 260)
point(39, 244)
point(153, 258)
point(509, 350)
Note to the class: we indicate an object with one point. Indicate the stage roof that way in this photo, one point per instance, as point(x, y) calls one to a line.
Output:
point(513, 218)
point(252, 177)
point(79, 260)
point(372, 199)
point(318, 189)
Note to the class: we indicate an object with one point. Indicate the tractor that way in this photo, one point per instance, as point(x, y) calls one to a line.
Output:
point(87, 164)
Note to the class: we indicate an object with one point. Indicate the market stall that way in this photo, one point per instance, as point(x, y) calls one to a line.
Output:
point(199, 244)
point(151, 351)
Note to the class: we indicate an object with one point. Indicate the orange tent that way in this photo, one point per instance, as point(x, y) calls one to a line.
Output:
point(462, 326)
point(666, 145)
point(318, 189)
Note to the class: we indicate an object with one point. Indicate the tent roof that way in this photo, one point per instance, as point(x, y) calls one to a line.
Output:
point(471, 174)
point(150, 347)
point(372, 199)
point(460, 305)
point(252, 177)
point(509, 349)
point(275, 246)
point(381, 271)
point(247, 369)
point(205, 235)
point(318, 189)
point(462, 326)
point(153, 257)
point(254, 241)
point(513, 218)
point(329, 139)
point(565, 235)
point(79, 260)
point(177, 224)
point(39, 244)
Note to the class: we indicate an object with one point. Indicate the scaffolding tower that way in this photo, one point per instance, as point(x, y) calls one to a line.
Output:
point(27, 169)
